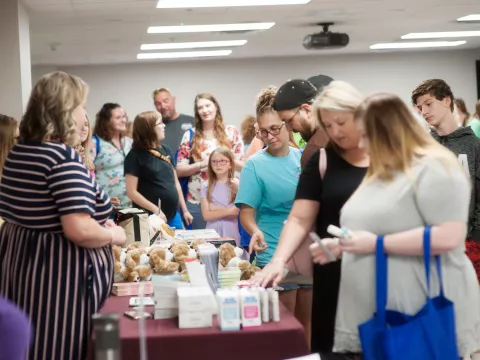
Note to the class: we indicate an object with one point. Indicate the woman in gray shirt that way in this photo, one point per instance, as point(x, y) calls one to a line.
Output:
point(412, 182)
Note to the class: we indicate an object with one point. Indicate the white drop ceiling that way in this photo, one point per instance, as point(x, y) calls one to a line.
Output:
point(80, 32)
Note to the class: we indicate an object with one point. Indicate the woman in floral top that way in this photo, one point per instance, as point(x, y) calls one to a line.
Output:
point(210, 133)
point(109, 149)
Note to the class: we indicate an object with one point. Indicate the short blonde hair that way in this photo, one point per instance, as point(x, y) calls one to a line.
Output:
point(337, 96)
point(157, 91)
point(49, 115)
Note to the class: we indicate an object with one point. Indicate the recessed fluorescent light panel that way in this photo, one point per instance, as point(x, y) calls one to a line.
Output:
point(209, 28)
point(416, 45)
point(185, 54)
point(439, 35)
point(176, 4)
point(192, 45)
point(471, 17)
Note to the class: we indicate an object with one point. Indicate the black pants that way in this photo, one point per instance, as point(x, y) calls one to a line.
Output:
point(326, 284)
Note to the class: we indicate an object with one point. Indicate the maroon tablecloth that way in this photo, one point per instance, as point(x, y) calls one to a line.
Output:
point(271, 341)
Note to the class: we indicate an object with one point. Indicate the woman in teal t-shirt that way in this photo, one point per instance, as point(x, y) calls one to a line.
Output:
point(268, 183)
point(475, 122)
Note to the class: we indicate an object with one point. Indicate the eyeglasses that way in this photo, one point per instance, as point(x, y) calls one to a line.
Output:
point(274, 130)
point(220, 162)
point(289, 121)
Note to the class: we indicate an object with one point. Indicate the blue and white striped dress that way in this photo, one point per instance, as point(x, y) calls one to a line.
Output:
point(56, 282)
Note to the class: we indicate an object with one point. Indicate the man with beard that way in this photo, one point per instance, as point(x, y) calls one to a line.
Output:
point(175, 123)
point(293, 102)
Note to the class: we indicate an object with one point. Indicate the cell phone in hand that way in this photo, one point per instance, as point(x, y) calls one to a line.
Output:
point(320, 243)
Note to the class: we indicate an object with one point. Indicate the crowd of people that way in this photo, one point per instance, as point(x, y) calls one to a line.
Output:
point(316, 152)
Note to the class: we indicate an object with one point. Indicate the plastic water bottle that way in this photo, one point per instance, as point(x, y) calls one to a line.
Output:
point(107, 336)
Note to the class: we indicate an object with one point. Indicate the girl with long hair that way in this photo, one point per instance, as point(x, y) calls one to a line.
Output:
point(218, 195)
point(210, 132)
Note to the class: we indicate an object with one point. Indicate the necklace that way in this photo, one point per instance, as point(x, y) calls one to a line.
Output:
point(120, 150)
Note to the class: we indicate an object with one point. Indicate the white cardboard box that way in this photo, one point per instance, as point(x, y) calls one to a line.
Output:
point(195, 299)
point(198, 319)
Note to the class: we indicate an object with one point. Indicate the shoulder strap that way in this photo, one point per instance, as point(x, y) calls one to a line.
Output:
point(97, 143)
point(190, 131)
point(159, 155)
point(322, 163)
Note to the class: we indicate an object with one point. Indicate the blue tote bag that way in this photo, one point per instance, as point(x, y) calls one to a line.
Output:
point(427, 335)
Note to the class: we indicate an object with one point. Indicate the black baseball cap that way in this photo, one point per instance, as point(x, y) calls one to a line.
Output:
point(293, 94)
point(320, 81)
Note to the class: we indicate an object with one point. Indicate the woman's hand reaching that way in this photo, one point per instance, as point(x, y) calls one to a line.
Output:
point(188, 217)
point(271, 274)
point(257, 243)
point(319, 255)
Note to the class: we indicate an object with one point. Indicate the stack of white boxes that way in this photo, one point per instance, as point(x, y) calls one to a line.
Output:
point(195, 307)
point(165, 296)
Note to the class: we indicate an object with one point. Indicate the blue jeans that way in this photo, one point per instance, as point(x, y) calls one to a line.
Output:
point(198, 222)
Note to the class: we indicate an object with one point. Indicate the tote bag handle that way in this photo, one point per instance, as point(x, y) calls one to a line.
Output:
point(381, 276)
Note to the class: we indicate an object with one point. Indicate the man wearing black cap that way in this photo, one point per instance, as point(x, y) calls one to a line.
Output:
point(293, 102)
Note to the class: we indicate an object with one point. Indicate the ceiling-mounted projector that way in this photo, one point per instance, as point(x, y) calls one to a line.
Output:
point(325, 39)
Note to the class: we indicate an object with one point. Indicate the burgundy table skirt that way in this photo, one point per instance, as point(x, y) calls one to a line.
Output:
point(271, 341)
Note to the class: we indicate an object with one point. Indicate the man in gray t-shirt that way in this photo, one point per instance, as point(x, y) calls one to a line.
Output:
point(175, 123)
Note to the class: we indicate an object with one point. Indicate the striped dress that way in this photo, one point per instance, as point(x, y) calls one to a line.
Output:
point(57, 283)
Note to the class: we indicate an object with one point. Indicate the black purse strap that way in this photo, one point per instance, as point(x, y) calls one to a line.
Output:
point(136, 228)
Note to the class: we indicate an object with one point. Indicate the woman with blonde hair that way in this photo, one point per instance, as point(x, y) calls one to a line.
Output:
point(85, 145)
point(412, 182)
point(56, 243)
point(318, 201)
point(8, 137)
point(196, 147)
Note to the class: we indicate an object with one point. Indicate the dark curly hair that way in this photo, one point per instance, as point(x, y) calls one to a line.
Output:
point(437, 88)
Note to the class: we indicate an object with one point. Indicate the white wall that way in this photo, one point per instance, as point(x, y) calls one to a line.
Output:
point(15, 66)
point(235, 83)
